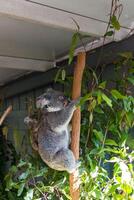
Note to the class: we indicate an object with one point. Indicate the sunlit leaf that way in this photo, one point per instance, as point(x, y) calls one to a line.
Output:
point(21, 188)
point(116, 94)
point(29, 194)
point(92, 105)
point(102, 85)
point(99, 135)
point(24, 175)
point(106, 99)
point(63, 74)
point(99, 97)
point(115, 23)
point(110, 142)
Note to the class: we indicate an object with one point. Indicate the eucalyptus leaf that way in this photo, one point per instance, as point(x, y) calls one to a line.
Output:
point(74, 42)
point(107, 100)
point(109, 33)
point(116, 94)
point(29, 194)
point(63, 74)
point(115, 23)
point(126, 54)
point(110, 142)
point(131, 80)
point(21, 188)
point(57, 75)
point(102, 85)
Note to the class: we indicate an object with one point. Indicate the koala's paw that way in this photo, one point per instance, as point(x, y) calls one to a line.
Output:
point(78, 164)
point(27, 120)
point(76, 102)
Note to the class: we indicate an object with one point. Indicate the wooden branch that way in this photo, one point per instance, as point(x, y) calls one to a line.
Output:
point(7, 112)
point(76, 120)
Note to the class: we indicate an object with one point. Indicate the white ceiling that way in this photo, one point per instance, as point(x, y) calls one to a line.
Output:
point(35, 33)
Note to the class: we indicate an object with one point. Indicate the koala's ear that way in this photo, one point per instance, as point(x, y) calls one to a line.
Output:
point(49, 90)
point(61, 97)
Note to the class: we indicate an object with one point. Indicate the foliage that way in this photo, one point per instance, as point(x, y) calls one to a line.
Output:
point(107, 157)
point(106, 143)
point(32, 180)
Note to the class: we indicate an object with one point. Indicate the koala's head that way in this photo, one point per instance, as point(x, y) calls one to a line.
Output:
point(51, 101)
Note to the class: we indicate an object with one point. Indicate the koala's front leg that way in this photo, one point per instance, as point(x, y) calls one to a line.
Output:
point(62, 118)
point(33, 126)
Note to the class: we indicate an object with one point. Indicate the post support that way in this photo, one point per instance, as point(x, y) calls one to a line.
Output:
point(76, 121)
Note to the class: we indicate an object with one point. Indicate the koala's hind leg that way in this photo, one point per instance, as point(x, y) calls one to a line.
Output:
point(64, 160)
point(33, 128)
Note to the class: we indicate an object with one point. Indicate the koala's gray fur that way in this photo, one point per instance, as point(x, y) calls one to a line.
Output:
point(52, 135)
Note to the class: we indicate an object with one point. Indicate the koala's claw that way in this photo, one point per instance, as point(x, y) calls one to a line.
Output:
point(78, 164)
point(77, 101)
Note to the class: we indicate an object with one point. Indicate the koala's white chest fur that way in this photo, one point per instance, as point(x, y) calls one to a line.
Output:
point(60, 129)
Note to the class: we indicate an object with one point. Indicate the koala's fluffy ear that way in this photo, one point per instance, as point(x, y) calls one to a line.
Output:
point(49, 90)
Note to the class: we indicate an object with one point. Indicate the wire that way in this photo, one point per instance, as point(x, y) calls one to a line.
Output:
point(74, 13)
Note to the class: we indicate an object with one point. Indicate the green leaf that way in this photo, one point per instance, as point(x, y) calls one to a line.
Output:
point(99, 97)
point(92, 105)
point(24, 175)
point(63, 74)
point(21, 163)
point(10, 196)
point(21, 188)
point(5, 131)
point(113, 188)
point(98, 110)
point(111, 142)
point(131, 80)
point(95, 77)
point(98, 135)
point(102, 85)
point(109, 33)
point(117, 95)
point(29, 195)
point(85, 98)
point(107, 100)
point(126, 54)
point(57, 75)
point(74, 42)
point(115, 23)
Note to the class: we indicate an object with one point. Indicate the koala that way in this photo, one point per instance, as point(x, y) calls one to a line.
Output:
point(51, 135)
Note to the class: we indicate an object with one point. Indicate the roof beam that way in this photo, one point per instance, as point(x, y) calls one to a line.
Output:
point(37, 13)
point(25, 64)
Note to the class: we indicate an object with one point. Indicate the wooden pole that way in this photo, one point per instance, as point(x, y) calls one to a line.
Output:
point(76, 120)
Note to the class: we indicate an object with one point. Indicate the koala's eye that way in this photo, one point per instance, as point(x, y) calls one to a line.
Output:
point(61, 97)
point(47, 97)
